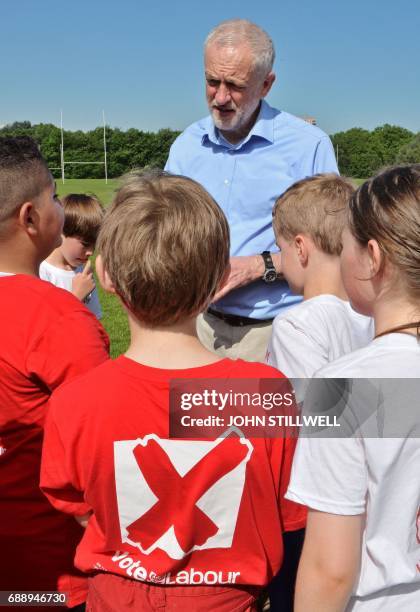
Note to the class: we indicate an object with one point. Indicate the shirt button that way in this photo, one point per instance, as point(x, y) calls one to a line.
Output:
point(226, 182)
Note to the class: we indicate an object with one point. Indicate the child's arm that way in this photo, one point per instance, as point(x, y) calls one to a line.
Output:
point(329, 475)
point(293, 350)
point(59, 480)
point(330, 562)
point(83, 283)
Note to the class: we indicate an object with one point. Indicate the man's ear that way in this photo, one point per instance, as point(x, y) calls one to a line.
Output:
point(267, 84)
point(302, 250)
point(28, 218)
point(103, 276)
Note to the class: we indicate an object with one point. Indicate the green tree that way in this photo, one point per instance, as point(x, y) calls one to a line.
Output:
point(357, 155)
point(388, 140)
point(410, 152)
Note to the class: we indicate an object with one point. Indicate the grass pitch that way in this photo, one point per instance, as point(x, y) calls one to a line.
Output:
point(103, 191)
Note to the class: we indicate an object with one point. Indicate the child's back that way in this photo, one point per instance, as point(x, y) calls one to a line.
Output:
point(48, 337)
point(314, 333)
point(190, 512)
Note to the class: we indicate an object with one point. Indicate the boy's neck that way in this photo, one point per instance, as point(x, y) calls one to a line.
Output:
point(17, 258)
point(323, 277)
point(57, 259)
point(168, 347)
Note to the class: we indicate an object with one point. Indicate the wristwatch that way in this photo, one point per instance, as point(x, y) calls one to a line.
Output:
point(270, 274)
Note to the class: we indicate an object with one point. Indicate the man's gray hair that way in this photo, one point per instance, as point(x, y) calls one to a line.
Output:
point(234, 32)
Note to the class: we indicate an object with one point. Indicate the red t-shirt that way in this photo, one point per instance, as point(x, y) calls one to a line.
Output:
point(165, 510)
point(47, 337)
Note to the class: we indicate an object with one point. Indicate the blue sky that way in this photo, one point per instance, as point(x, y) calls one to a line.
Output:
point(346, 63)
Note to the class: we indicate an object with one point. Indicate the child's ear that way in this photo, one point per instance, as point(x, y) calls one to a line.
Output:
point(28, 218)
point(375, 257)
point(103, 276)
point(301, 249)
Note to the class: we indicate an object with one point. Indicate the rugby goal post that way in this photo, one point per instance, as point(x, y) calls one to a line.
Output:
point(64, 163)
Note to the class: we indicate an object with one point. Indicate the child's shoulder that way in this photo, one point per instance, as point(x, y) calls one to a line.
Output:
point(51, 273)
point(36, 292)
point(253, 369)
point(392, 356)
point(308, 312)
point(93, 383)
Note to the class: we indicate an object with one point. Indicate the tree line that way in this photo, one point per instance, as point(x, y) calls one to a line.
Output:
point(360, 152)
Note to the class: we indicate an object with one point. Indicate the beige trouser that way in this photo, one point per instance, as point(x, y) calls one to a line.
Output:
point(247, 342)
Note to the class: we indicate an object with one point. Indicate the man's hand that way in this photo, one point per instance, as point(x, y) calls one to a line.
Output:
point(83, 283)
point(245, 270)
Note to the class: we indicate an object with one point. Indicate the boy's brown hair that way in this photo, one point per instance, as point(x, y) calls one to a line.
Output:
point(23, 173)
point(165, 246)
point(315, 206)
point(83, 215)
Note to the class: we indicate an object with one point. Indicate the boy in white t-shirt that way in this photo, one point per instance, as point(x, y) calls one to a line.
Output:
point(308, 220)
point(68, 266)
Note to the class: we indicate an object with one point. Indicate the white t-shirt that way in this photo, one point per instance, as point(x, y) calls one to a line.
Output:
point(315, 332)
point(64, 278)
point(378, 475)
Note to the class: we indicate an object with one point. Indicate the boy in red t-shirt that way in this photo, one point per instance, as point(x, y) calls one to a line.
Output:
point(47, 337)
point(171, 523)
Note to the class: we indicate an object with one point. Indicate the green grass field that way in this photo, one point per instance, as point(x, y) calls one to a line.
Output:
point(114, 318)
point(97, 186)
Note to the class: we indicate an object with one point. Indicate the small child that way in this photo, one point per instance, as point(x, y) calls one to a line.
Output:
point(69, 266)
point(308, 221)
point(177, 523)
point(362, 546)
point(47, 338)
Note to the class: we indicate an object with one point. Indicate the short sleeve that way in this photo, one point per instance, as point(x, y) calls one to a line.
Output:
point(292, 351)
point(58, 481)
point(43, 272)
point(330, 475)
point(324, 159)
point(72, 344)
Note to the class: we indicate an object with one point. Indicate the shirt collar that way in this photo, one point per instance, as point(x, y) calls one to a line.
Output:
point(262, 128)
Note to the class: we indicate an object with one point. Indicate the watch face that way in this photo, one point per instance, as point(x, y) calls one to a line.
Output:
point(270, 276)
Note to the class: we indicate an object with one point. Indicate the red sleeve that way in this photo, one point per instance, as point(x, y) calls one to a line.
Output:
point(293, 515)
point(58, 479)
point(72, 344)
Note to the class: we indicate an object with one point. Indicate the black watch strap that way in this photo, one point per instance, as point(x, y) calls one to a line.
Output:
point(270, 274)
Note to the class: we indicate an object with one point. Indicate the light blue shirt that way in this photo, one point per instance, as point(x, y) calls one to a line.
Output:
point(245, 180)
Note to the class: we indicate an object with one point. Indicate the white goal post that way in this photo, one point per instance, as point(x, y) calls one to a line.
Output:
point(64, 163)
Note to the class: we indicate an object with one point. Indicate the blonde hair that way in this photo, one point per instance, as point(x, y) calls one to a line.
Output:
point(316, 206)
point(386, 208)
point(83, 215)
point(165, 245)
